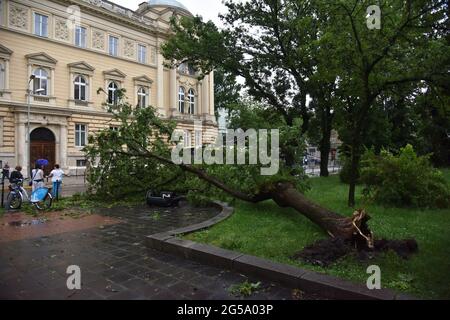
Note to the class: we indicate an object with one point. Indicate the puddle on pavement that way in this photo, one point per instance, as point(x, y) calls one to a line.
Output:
point(26, 223)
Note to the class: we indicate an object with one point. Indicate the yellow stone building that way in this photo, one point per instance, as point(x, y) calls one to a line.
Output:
point(56, 54)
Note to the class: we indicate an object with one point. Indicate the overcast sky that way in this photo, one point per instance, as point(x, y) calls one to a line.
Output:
point(208, 9)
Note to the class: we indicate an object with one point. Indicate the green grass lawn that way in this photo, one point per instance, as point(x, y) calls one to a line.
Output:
point(265, 230)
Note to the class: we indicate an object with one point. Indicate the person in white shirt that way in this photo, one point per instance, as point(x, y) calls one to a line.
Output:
point(37, 178)
point(57, 177)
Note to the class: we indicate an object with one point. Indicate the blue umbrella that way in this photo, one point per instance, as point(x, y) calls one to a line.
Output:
point(42, 162)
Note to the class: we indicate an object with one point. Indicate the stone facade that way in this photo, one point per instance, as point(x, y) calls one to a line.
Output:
point(53, 50)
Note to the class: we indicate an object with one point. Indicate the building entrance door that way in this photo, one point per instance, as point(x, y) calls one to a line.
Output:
point(43, 146)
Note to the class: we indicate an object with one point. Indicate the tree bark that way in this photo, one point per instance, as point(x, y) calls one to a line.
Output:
point(325, 146)
point(355, 158)
point(286, 195)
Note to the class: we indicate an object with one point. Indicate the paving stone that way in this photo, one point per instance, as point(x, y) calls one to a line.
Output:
point(115, 262)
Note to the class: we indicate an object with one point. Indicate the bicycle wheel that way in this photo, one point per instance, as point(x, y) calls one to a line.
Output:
point(13, 201)
point(44, 204)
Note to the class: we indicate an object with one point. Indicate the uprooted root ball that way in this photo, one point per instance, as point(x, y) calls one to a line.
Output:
point(327, 251)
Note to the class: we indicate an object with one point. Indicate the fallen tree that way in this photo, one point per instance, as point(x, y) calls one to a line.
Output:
point(120, 153)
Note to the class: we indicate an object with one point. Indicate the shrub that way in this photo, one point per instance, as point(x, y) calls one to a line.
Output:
point(404, 180)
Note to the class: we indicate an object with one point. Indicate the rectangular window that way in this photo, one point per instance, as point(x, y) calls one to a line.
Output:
point(2, 74)
point(113, 46)
point(187, 139)
point(1, 12)
point(80, 37)
point(198, 138)
point(40, 25)
point(80, 135)
point(81, 163)
point(142, 54)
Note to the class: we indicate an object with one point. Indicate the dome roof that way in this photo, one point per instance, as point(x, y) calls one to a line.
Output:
point(167, 3)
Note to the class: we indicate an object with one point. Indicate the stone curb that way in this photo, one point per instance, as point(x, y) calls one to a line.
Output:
point(289, 276)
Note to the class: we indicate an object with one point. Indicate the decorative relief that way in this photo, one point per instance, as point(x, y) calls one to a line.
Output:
point(96, 2)
point(61, 30)
point(18, 16)
point(98, 40)
point(129, 48)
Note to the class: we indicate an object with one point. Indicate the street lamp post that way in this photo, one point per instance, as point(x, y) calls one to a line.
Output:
point(29, 91)
point(28, 139)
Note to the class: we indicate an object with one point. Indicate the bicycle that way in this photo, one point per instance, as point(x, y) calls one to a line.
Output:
point(41, 198)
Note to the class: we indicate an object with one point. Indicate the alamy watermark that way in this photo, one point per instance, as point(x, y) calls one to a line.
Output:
point(74, 280)
point(232, 148)
point(374, 280)
point(373, 17)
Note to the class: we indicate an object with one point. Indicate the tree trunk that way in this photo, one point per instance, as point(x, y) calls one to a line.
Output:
point(354, 175)
point(325, 147)
point(286, 195)
point(348, 228)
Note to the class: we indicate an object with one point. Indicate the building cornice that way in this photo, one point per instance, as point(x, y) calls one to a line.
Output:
point(110, 10)
point(75, 47)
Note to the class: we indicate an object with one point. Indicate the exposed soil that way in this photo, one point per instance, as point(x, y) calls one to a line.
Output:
point(327, 251)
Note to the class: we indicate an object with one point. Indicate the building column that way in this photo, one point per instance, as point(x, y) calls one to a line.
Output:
point(160, 85)
point(173, 91)
point(63, 146)
point(198, 101)
point(211, 94)
point(205, 96)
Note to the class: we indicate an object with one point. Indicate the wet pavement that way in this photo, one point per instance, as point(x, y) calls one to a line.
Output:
point(116, 264)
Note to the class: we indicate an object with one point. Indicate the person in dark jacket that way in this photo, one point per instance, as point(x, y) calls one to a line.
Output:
point(16, 175)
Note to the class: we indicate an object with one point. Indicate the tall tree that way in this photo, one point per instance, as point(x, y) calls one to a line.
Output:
point(266, 42)
point(279, 46)
point(408, 48)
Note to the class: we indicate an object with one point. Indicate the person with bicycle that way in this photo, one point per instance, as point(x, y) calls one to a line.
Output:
point(37, 178)
point(16, 175)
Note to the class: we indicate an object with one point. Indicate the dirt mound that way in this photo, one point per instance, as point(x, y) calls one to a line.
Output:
point(327, 251)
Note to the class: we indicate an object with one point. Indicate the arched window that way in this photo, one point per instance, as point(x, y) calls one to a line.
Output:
point(80, 85)
point(181, 97)
point(191, 98)
point(40, 82)
point(112, 93)
point(142, 97)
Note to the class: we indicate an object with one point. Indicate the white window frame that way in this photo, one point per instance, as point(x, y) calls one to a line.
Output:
point(80, 85)
point(40, 30)
point(76, 163)
point(191, 101)
point(181, 99)
point(40, 78)
point(142, 53)
point(78, 135)
point(142, 93)
point(80, 37)
point(187, 139)
point(2, 75)
point(113, 48)
point(115, 97)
